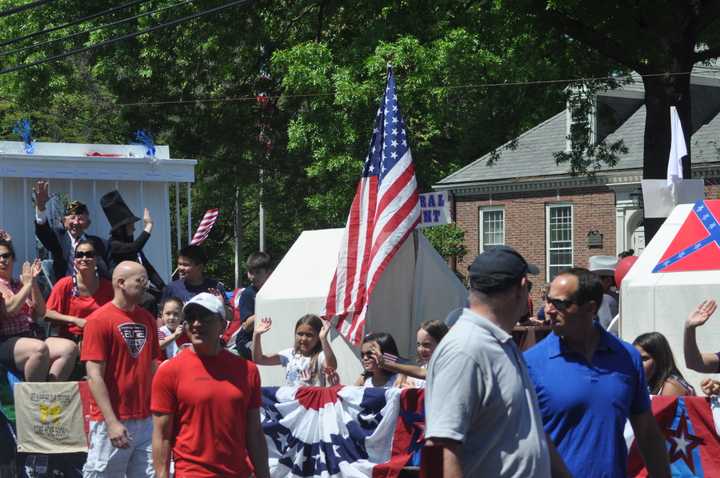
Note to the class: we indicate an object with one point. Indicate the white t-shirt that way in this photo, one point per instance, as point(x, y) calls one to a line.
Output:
point(389, 384)
point(172, 348)
point(297, 365)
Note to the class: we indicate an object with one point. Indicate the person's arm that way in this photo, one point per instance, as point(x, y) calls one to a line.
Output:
point(694, 359)
point(557, 464)
point(58, 317)
point(262, 326)
point(256, 445)
point(360, 381)
point(452, 466)
point(651, 444)
point(16, 302)
point(161, 440)
point(117, 433)
point(330, 360)
point(38, 300)
point(123, 248)
point(410, 370)
point(165, 341)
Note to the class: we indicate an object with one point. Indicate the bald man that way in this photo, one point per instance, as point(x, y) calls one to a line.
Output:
point(120, 348)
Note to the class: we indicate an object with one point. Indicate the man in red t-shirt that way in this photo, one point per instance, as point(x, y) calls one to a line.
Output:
point(120, 348)
point(194, 397)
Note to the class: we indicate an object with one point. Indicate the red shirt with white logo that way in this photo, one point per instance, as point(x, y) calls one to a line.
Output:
point(209, 398)
point(63, 301)
point(127, 342)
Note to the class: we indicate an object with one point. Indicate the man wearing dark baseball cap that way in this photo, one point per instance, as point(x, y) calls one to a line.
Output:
point(497, 268)
point(477, 374)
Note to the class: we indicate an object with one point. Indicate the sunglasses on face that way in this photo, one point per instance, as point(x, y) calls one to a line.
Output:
point(85, 255)
point(6, 256)
point(559, 304)
point(202, 318)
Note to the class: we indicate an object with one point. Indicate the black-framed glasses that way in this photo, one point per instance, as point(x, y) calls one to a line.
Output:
point(6, 255)
point(559, 304)
point(84, 254)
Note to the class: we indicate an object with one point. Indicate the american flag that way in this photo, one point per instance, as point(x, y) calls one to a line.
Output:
point(384, 212)
point(205, 226)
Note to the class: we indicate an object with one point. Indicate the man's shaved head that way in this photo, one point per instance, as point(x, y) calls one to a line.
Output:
point(129, 282)
point(126, 269)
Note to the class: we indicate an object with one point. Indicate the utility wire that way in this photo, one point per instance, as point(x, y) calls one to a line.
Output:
point(72, 23)
point(124, 37)
point(22, 8)
point(90, 30)
point(235, 99)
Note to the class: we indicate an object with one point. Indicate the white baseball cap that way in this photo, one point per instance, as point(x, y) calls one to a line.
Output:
point(603, 265)
point(208, 302)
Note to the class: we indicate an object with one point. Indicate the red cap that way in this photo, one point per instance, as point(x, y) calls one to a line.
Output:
point(623, 268)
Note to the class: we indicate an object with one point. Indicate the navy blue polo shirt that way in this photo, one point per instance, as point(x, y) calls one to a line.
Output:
point(584, 406)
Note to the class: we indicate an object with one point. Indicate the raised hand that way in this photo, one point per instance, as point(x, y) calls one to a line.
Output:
point(36, 268)
point(325, 330)
point(701, 313)
point(147, 220)
point(710, 387)
point(263, 325)
point(42, 194)
point(26, 276)
point(377, 354)
point(5, 236)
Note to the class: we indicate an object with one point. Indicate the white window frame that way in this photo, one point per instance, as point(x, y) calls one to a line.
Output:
point(548, 209)
point(481, 214)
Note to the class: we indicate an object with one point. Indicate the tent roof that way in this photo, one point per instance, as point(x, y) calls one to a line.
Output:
point(307, 269)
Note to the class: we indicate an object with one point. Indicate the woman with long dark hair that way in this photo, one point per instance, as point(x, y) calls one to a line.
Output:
point(76, 296)
point(661, 373)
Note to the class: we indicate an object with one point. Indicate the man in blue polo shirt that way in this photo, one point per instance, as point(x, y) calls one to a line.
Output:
point(588, 383)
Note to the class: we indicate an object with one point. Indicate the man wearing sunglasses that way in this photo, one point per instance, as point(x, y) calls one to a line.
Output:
point(203, 393)
point(480, 404)
point(589, 383)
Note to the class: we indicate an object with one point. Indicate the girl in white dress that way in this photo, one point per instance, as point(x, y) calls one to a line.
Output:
point(307, 363)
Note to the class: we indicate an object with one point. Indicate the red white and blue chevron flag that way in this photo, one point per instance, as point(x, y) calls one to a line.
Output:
point(384, 212)
point(696, 246)
point(341, 431)
point(690, 428)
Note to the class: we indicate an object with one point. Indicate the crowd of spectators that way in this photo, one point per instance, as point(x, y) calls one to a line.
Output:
point(167, 364)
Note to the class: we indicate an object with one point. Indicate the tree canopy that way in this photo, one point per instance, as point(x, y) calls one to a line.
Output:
point(276, 98)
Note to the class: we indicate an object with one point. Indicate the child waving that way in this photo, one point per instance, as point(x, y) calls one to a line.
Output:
point(309, 360)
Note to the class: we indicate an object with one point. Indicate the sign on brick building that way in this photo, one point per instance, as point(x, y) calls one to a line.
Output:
point(434, 209)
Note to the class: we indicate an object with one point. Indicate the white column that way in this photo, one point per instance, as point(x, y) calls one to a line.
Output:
point(620, 229)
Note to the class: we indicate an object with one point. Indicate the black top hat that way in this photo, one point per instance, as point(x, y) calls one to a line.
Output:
point(117, 212)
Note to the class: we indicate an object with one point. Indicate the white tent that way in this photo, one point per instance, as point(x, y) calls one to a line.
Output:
point(417, 285)
point(661, 302)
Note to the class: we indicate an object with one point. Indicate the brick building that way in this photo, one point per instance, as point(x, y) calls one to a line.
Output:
point(556, 220)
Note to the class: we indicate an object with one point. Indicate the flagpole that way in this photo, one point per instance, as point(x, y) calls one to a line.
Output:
point(238, 231)
point(261, 217)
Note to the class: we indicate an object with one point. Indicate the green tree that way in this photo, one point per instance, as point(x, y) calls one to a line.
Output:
point(321, 67)
point(662, 41)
